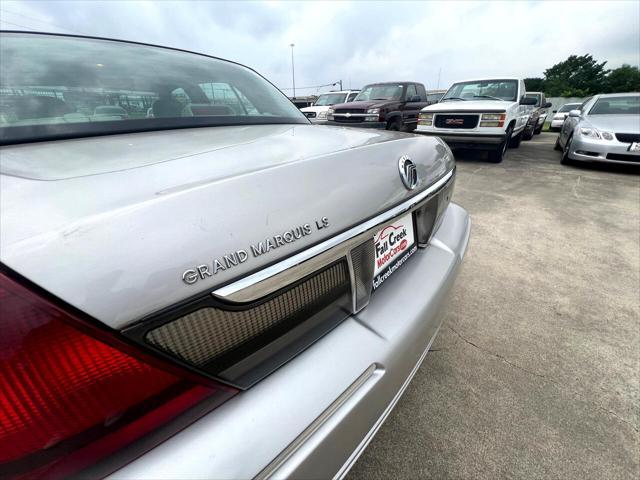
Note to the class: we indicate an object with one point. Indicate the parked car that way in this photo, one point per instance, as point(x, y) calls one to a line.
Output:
point(110, 112)
point(560, 116)
point(317, 113)
point(303, 101)
point(388, 105)
point(537, 115)
point(434, 96)
point(485, 114)
point(605, 128)
point(178, 294)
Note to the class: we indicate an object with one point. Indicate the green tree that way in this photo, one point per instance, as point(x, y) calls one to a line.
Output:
point(535, 84)
point(623, 79)
point(577, 76)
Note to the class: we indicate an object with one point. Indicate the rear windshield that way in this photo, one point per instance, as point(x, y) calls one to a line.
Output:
point(57, 86)
point(617, 106)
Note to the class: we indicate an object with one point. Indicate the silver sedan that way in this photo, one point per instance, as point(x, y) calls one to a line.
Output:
point(214, 289)
point(606, 128)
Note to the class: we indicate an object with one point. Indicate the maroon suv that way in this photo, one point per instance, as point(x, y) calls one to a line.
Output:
point(389, 105)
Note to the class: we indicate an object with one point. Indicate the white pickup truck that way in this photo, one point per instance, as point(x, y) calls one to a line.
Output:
point(480, 114)
point(317, 113)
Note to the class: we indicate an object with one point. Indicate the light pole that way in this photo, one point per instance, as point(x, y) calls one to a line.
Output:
point(293, 71)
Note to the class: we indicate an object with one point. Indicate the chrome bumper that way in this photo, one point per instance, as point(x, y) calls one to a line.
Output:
point(314, 416)
point(466, 140)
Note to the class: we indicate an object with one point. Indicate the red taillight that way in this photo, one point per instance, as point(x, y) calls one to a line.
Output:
point(68, 399)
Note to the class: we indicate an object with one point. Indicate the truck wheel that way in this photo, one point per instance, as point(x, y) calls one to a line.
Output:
point(527, 134)
point(395, 124)
point(497, 155)
point(565, 160)
point(538, 130)
point(515, 142)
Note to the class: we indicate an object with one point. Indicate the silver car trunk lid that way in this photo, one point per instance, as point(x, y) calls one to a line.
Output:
point(109, 224)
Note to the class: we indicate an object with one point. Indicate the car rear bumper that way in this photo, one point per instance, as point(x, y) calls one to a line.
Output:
point(586, 150)
point(314, 416)
point(465, 140)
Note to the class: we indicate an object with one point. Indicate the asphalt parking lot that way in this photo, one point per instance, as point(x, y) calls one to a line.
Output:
point(536, 370)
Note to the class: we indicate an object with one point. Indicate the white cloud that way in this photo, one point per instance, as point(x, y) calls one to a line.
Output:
point(359, 42)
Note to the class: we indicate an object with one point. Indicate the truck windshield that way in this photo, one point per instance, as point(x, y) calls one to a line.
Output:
point(496, 89)
point(380, 92)
point(54, 86)
point(327, 99)
point(536, 97)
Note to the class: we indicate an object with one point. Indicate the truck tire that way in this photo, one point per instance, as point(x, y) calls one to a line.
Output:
point(515, 141)
point(527, 134)
point(395, 124)
point(557, 145)
point(538, 130)
point(497, 155)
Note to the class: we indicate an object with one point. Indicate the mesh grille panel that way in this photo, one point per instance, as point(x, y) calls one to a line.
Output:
point(204, 335)
point(362, 258)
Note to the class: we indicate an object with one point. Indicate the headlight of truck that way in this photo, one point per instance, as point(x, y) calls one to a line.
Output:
point(330, 114)
point(374, 115)
point(492, 119)
point(322, 115)
point(593, 133)
point(425, 119)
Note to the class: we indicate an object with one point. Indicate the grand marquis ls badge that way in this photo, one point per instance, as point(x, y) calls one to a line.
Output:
point(233, 259)
point(408, 172)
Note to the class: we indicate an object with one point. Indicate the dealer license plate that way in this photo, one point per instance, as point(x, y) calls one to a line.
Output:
point(394, 244)
point(635, 147)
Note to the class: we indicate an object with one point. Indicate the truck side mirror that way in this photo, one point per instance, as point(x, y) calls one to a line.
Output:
point(547, 105)
point(554, 111)
point(574, 113)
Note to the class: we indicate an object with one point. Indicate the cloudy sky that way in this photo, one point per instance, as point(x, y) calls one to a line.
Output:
point(358, 42)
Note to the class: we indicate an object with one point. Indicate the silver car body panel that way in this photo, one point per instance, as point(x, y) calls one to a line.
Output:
point(345, 385)
point(589, 149)
point(81, 217)
point(266, 281)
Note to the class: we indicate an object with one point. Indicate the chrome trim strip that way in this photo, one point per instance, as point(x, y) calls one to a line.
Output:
point(335, 114)
point(228, 291)
point(294, 446)
point(376, 426)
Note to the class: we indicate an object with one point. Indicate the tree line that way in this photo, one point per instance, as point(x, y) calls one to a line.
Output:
point(581, 76)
